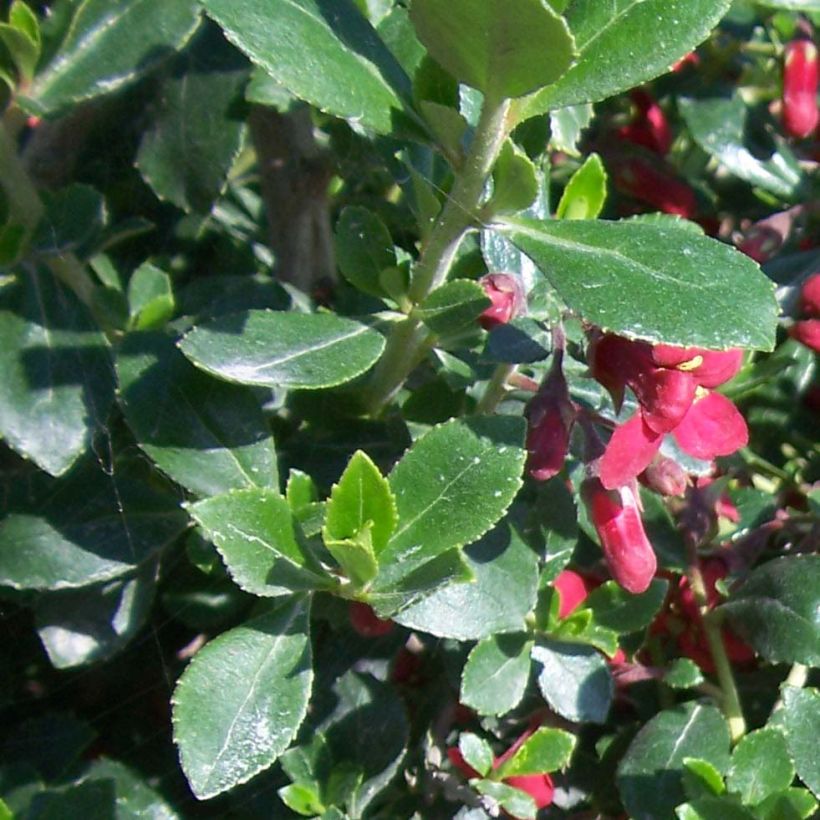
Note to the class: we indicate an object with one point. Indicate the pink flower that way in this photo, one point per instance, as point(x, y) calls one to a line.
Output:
point(572, 591)
point(800, 75)
point(506, 293)
point(616, 516)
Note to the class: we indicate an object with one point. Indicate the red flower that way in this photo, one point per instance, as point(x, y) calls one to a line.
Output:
point(365, 621)
point(650, 127)
point(807, 331)
point(654, 183)
point(572, 591)
point(616, 516)
point(507, 296)
point(810, 296)
point(800, 113)
point(550, 416)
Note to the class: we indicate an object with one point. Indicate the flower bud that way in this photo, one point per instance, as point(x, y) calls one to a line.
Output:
point(800, 74)
point(655, 184)
point(506, 293)
point(365, 621)
point(810, 296)
point(617, 520)
point(538, 786)
point(665, 476)
point(807, 332)
point(572, 591)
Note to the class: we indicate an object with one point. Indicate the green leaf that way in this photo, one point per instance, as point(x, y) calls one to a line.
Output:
point(84, 529)
point(515, 802)
point(760, 766)
point(775, 610)
point(73, 220)
point(795, 5)
point(802, 724)
point(241, 700)
point(364, 248)
point(150, 297)
point(273, 349)
point(186, 154)
point(515, 183)
point(585, 194)
point(614, 608)
point(257, 537)
point(719, 126)
point(504, 48)
point(701, 779)
point(567, 125)
point(301, 799)
point(453, 484)
point(545, 750)
point(649, 775)
point(111, 43)
point(790, 804)
point(476, 752)
point(683, 673)
point(498, 599)
point(713, 808)
point(22, 47)
point(453, 306)
point(136, 800)
point(625, 43)
point(495, 675)
point(93, 800)
point(58, 382)
point(94, 623)
point(350, 72)
point(672, 287)
point(355, 555)
point(574, 680)
point(209, 436)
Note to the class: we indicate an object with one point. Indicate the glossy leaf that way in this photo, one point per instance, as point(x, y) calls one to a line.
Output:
point(93, 624)
point(259, 540)
point(574, 680)
point(58, 382)
point(718, 125)
point(545, 750)
point(789, 804)
point(775, 610)
point(111, 43)
point(503, 48)
point(503, 591)
point(515, 802)
point(713, 808)
point(625, 43)
point(476, 752)
point(801, 709)
point(453, 306)
point(150, 297)
point(84, 529)
point(683, 673)
point(496, 673)
point(71, 222)
point(701, 778)
point(209, 436)
point(364, 249)
point(323, 52)
point(452, 485)
point(760, 766)
point(671, 286)
point(186, 154)
point(135, 798)
point(567, 125)
point(614, 608)
point(584, 196)
point(515, 183)
point(242, 698)
point(649, 776)
point(274, 349)
point(92, 799)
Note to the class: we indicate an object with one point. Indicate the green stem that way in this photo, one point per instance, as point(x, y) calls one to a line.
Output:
point(406, 343)
point(27, 210)
point(495, 390)
point(798, 677)
point(726, 679)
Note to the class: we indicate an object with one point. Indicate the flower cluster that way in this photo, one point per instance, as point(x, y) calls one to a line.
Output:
point(807, 328)
point(674, 389)
point(649, 127)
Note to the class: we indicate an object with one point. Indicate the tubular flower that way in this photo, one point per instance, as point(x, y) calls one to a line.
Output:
point(807, 330)
point(616, 516)
point(550, 416)
point(673, 388)
point(800, 76)
point(650, 127)
point(654, 183)
point(506, 293)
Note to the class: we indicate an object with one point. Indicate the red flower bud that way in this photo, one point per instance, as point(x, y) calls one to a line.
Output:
point(617, 520)
point(506, 293)
point(550, 415)
point(572, 591)
point(365, 621)
point(800, 74)
point(810, 296)
point(712, 427)
point(538, 786)
point(665, 476)
point(807, 331)
point(629, 452)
